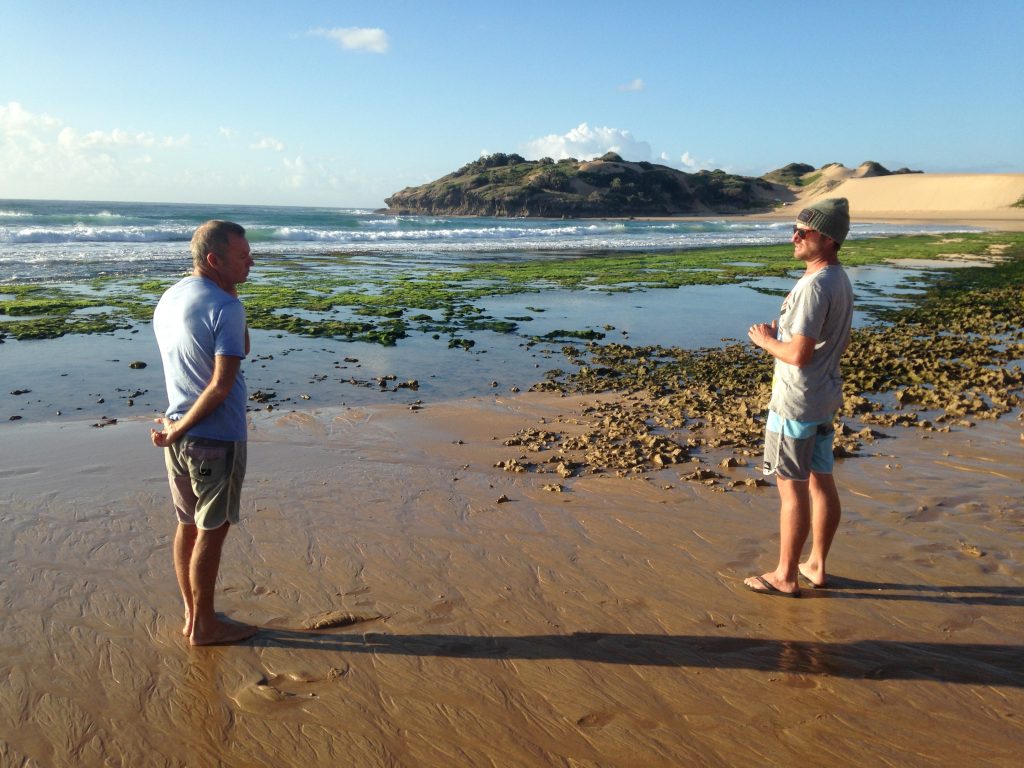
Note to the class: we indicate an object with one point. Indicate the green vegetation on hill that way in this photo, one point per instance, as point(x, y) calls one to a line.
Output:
point(508, 185)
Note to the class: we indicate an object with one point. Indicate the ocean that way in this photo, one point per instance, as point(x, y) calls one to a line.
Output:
point(47, 241)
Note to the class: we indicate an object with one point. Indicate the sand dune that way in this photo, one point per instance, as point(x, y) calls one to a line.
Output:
point(925, 196)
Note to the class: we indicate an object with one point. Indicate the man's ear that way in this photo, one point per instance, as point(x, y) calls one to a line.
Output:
point(212, 259)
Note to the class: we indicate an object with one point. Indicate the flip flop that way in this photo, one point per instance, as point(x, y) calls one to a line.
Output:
point(769, 589)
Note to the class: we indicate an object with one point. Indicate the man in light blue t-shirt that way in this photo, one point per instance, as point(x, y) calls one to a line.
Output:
point(807, 342)
point(202, 334)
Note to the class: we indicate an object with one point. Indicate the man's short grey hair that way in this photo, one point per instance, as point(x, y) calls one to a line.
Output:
point(212, 237)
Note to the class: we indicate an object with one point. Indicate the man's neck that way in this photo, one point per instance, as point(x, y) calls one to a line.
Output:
point(821, 263)
point(214, 278)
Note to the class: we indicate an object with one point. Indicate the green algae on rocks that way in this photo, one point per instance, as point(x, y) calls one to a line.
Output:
point(951, 357)
point(311, 299)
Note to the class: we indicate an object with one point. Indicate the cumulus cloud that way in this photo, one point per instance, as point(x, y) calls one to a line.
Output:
point(369, 39)
point(43, 156)
point(22, 131)
point(586, 143)
point(71, 139)
point(635, 85)
point(301, 174)
point(268, 142)
point(15, 120)
point(689, 161)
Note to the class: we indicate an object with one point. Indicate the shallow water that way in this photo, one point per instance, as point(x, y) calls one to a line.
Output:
point(73, 374)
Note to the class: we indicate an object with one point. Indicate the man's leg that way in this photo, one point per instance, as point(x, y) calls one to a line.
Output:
point(207, 629)
point(184, 542)
point(826, 512)
point(794, 525)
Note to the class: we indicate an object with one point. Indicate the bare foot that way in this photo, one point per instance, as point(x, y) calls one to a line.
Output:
point(187, 629)
point(222, 633)
point(814, 577)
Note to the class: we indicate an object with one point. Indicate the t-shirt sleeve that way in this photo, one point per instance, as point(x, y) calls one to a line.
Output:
point(229, 330)
point(809, 310)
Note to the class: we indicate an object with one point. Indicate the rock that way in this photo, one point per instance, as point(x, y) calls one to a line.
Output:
point(732, 461)
point(136, 364)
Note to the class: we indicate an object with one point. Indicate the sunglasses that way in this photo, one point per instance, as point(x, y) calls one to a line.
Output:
point(800, 233)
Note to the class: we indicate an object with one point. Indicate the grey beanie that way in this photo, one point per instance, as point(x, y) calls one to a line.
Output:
point(831, 217)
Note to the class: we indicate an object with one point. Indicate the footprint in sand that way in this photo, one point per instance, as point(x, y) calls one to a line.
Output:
point(440, 612)
point(268, 694)
point(595, 720)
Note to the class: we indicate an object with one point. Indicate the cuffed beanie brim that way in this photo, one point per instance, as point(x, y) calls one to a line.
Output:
point(831, 217)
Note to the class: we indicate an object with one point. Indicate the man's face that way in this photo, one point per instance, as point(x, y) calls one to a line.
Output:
point(233, 267)
point(808, 244)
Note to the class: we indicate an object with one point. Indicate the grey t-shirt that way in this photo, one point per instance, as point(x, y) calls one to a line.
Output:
point(820, 306)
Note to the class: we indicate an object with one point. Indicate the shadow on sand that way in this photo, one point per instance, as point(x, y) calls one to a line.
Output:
point(842, 588)
point(865, 659)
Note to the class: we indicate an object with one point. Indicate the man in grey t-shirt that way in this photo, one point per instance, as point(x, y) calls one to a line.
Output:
point(807, 341)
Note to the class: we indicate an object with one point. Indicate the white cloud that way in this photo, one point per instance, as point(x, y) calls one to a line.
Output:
point(268, 142)
point(227, 133)
point(688, 162)
point(635, 85)
point(14, 120)
point(304, 175)
point(356, 38)
point(42, 156)
point(586, 143)
point(71, 139)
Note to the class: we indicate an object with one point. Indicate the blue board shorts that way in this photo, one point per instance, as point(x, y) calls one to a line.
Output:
point(793, 449)
point(206, 480)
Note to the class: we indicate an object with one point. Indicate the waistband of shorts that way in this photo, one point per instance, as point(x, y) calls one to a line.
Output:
point(792, 427)
point(210, 441)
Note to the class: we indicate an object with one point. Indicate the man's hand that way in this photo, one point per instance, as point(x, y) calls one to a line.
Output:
point(162, 438)
point(761, 333)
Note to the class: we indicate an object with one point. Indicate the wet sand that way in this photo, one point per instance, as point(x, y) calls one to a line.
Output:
point(603, 625)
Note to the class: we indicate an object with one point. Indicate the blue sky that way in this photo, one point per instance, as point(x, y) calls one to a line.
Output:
point(343, 103)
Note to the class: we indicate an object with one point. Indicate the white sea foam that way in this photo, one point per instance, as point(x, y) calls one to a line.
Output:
point(57, 240)
point(81, 233)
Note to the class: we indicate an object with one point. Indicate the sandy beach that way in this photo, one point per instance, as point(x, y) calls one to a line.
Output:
point(602, 625)
point(421, 606)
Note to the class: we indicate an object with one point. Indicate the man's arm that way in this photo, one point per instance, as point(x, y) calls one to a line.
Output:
point(797, 351)
point(225, 371)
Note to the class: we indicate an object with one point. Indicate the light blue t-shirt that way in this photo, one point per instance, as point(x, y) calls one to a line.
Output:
point(195, 321)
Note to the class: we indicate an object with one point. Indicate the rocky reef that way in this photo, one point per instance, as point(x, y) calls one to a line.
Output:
point(950, 359)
